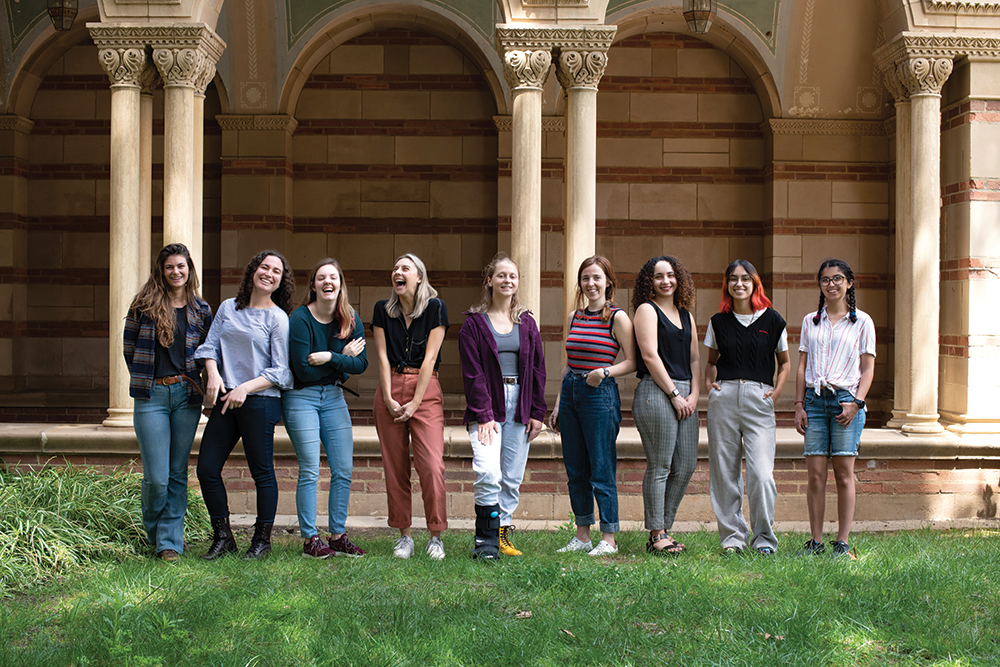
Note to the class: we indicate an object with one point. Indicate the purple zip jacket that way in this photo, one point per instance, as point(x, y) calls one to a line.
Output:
point(481, 376)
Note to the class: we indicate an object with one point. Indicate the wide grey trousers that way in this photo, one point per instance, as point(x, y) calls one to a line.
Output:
point(671, 447)
point(741, 423)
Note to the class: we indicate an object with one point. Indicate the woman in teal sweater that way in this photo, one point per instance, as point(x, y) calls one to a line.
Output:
point(326, 344)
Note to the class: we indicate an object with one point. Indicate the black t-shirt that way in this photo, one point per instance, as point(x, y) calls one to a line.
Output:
point(169, 361)
point(673, 345)
point(406, 347)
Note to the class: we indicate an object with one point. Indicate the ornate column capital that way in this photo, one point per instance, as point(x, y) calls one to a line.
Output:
point(15, 123)
point(895, 84)
point(581, 69)
point(123, 65)
point(526, 69)
point(924, 76)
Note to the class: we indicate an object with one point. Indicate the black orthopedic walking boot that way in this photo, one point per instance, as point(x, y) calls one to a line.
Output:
point(487, 532)
point(260, 545)
point(222, 539)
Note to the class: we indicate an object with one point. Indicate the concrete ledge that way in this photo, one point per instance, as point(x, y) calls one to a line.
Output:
point(70, 439)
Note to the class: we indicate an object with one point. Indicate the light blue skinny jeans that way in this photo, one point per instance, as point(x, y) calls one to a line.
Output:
point(499, 467)
point(165, 426)
point(314, 415)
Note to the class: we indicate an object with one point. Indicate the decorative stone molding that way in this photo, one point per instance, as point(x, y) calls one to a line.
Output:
point(261, 122)
point(555, 3)
point(204, 77)
point(526, 69)
point(581, 69)
point(925, 76)
point(857, 128)
point(174, 35)
point(580, 38)
point(149, 80)
point(179, 67)
point(12, 122)
point(549, 123)
point(961, 7)
point(931, 46)
point(124, 66)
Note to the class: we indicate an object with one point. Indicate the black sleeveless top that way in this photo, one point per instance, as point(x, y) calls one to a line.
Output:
point(747, 352)
point(673, 345)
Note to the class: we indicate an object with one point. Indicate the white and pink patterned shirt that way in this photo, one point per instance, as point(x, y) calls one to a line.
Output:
point(834, 351)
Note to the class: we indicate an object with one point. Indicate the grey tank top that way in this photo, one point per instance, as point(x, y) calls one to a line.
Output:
point(508, 349)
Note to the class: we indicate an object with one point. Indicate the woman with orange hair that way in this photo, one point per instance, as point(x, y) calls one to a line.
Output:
point(745, 339)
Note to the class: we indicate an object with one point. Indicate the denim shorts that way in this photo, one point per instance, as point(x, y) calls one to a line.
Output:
point(824, 436)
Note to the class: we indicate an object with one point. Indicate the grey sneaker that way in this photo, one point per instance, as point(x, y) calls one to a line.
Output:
point(603, 549)
point(404, 547)
point(575, 545)
point(435, 548)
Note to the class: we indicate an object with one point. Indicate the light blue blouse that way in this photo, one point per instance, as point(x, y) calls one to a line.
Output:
point(249, 343)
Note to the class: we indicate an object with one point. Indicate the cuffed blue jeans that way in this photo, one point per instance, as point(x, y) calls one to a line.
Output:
point(314, 416)
point(165, 426)
point(254, 422)
point(499, 467)
point(589, 421)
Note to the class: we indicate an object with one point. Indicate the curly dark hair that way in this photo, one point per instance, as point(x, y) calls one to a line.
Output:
point(684, 295)
point(282, 297)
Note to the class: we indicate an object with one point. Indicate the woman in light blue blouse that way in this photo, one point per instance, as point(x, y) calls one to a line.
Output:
point(246, 357)
point(326, 345)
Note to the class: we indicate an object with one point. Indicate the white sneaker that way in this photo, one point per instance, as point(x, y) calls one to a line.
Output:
point(435, 548)
point(575, 545)
point(603, 549)
point(404, 547)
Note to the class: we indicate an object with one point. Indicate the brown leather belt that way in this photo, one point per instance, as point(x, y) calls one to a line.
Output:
point(410, 370)
point(174, 379)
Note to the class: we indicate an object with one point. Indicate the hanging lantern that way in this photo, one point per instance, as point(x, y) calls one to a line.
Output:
point(62, 13)
point(699, 15)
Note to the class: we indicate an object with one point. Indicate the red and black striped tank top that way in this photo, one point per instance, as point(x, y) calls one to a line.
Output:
point(589, 344)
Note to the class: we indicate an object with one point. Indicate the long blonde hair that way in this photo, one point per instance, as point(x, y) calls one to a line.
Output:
point(424, 292)
point(153, 300)
point(486, 298)
point(343, 310)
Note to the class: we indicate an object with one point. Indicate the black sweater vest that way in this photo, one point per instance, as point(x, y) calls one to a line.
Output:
point(747, 353)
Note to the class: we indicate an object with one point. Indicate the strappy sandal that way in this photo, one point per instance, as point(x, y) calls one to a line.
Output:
point(672, 548)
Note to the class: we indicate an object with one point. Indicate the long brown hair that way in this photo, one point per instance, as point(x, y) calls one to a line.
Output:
point(153, 300)
point(342, 310)
point(609, 290)
point(486, 298)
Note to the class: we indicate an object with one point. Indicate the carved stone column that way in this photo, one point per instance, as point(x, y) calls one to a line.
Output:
point(527, 57)
point(924, 77)
point(182, 54)
point(582, 61)
point(904, 253)
point(198, 194)
point(125, 62)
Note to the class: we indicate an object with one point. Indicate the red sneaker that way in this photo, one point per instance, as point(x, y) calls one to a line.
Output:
point(344, 547)
point(316, 548)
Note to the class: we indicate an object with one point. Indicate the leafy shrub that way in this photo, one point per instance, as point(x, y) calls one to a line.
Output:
point(63, 517)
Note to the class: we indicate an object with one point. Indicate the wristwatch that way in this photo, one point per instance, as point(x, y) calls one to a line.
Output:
point(675, 393)
point(607, 373)
point(860, 403)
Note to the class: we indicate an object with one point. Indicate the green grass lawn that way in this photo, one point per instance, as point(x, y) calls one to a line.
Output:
point(913, 598)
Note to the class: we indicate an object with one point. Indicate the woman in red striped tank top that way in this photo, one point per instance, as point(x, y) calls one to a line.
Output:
point(590, 406)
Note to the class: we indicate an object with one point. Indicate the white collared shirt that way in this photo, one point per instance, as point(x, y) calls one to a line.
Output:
point(834, 350)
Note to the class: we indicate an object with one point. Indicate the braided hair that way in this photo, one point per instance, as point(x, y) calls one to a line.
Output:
point(849, 276)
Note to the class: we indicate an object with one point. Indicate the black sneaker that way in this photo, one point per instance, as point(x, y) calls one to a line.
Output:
point(812, 548)
point(842, 549)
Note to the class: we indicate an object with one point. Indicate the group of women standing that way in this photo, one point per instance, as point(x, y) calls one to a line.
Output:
point(264, 362)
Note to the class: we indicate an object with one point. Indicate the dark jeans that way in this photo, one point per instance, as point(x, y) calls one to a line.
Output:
point(589, 419)
point(254, 421)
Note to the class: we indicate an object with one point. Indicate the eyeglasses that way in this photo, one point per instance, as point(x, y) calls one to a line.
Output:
point(837, 280)
point(745, 279)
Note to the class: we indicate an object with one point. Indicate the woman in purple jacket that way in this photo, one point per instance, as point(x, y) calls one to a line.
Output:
point(503, 369)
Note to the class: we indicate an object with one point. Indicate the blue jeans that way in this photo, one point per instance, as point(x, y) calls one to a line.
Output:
point(165, 426)
point(315, 415)
point(254, 422)
point(499, 467)
point(589, 420)
point(824, 436)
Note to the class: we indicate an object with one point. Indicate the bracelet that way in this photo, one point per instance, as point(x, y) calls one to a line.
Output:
point(800, 403)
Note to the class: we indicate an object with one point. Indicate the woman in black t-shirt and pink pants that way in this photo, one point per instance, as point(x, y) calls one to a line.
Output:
point(745, 339)
point(409, 328)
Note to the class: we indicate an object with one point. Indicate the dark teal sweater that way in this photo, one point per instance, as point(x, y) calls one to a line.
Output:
point(306, 335)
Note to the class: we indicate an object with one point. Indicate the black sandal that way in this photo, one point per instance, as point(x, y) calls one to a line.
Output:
point(673, 547)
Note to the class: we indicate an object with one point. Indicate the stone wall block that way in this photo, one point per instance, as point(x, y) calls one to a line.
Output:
point(434, 59)
point(613, 107)
point(479, 150)
point(84, 356)
point(611, 201)
point(356, 59)
point(326, 199)
point(309, 149)
point(317, 103)
point(440, 252)
point(428, 150)
point(362, 149)
point(807, 199)
point(629, 152)
point(446, 105)
point(61, 198)
point(396, 104)
point(817, 249)
point(649, 201)
point(728, 108)
point(395, 191)
point(458, 199)
point(703, 63)
point(664, 107)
